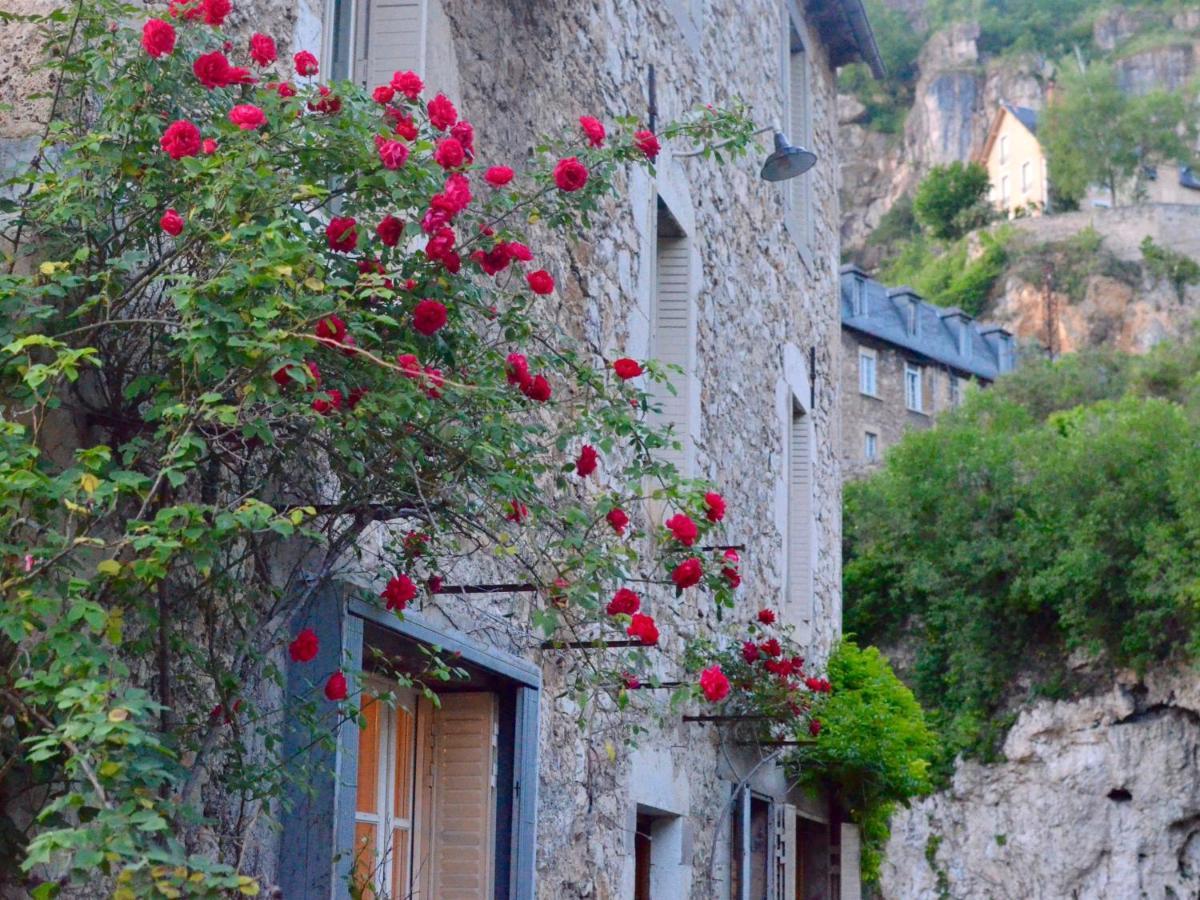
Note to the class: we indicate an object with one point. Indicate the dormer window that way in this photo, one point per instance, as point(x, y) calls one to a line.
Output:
point(859, 297)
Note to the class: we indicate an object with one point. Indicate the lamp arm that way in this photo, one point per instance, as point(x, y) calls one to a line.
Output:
point(701, 150)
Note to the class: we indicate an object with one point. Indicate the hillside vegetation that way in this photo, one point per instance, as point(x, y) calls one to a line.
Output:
point(1047, 529)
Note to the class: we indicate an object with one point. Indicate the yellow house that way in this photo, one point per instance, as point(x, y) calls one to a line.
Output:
point(1015, 162)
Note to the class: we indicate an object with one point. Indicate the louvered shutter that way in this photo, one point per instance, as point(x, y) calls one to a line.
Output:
point(671, 314)
point(798, 197)
point(785, 852)
point(463, 801)
point(390, 40)
point(851, 864)
point(800, 526)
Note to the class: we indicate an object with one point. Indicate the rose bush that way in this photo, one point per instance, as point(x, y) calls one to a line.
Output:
point(247, 317)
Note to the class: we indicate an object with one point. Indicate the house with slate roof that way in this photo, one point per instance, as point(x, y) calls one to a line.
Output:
point(904, 362)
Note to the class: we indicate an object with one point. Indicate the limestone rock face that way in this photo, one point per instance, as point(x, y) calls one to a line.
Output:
point(1098, 798)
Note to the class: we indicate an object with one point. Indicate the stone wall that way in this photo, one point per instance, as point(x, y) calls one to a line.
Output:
point(1097, 797)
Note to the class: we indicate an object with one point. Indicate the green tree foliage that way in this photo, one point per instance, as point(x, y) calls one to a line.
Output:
point(1057, 510)
point(874, 745)
point(947, 273)
point(887, 99)
point(1094, 133)
point(1179, 269)
point(952, 199)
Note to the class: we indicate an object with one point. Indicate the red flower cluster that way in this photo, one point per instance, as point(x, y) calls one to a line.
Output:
point(570, 174)
point(498, 176)
point(342, 234)
point(429, 316)
point(399, 592)
point(585, 464)
point(247, 117)
point(171, 222)
point(262, 49)
point(306, 64)
point(442, 113)
point(714, 684)
point(518, 512)
point(623, 602)
point(304, 648)
point(715, 504)
point(647, 143)
point(643, 629)
point(516, 372)
point(818, 685)
point(593, 130)
point(213, 71)
point(688, 573)
point(683, 529)
point(730, 570)
point(181, 139)
point(158, 38)
point(618, 519)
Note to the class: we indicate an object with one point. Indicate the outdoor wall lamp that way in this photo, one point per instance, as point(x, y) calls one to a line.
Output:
point(784, 162)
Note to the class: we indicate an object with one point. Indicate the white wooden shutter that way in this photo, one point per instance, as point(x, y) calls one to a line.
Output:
point(784, 839)
point(672, 308)
point(851, 863)
point(800, 522)
point(463, 802)
point(390, 39)
point(798, 196)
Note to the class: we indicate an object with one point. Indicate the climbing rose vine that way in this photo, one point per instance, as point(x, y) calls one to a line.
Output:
point(252, 322)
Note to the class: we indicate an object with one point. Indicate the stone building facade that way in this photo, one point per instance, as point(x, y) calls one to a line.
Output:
point(904, 362)
point(568, 811)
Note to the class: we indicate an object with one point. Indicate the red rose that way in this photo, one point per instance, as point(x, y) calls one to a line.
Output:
point(766, 616)
point(771, 648)
point(304, 648)
point(335, 687)
point(631, 681)
point(516, 368)
point(331, 330)
point(247, 117)
point(716, 506)
point(342, 234)
point(818, 685)
point(540, 282)
point(209, 146)
point(643, 628)
point(171, 222)
point(537, 388)
point(498, 176)
point(306, 63)
point(399, 591)
point(434, 584)
point(262, 49)
point(714, 684)
point(442, 113)
point(158, 38)
point(328, 402)
point(428, 317)
point(392, 154)
point(647, 143)
point(732, 576)
point(355, 395)
point(518, 511)
point(585, 465)
point(623, 602)
point(683, 528)
point(389, 230)
point(190, 11)
point(749, 651)
point(181, 139)
point(383, 94)
point(328, 105)
point(617, 519)
point(687, 573)
point(449, 153)
point(519, 251)
point(593, 129)
point(441, 245)
point(570, 174)
point(433, 382)
point(215, 12)
point(410, 366)
point(627, 368)
point(283, 375)
point(464, 132)
point(285, 89)
point(213, 70)
point(408, 83)
point(494, 260)
point(814, 727)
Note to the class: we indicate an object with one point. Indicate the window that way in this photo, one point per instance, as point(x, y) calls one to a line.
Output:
point(866, 372)
point(1004, 190)
point(860, 297)
point(912, 387)
point(955, 390)
point(1003, 149)
point(797, 118)
point(671, 338)
point(799, 601)
point(657, 855)
point(1026, 176)
point(370, 40)
point(870, 446)
point(750, 856)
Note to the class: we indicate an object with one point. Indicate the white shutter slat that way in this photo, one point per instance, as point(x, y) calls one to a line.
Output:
point(672, 301)
point(393, 40)
point(851, 863)
point(799, 588)
point(462, 826)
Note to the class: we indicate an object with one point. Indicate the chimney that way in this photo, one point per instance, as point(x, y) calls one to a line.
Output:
point(908, 302)
point(960, 326)
point(1001, 341)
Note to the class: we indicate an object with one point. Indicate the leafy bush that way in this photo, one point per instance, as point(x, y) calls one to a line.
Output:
point(1164, 263)
point(874, 745)
point(952, 199)
point(943, 273)
point(1056, 525)
point(1066, 266)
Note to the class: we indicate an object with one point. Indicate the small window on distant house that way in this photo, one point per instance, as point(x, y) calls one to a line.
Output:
point(797, 118)
point(870, 446)
point(1003, 148)
point(912, 387)
point(860, 297)
point(1004, 189)
point(866, 372)
point(1026, 176)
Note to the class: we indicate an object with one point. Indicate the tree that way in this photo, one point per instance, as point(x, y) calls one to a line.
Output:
point(952, 199)
point(1095, 134)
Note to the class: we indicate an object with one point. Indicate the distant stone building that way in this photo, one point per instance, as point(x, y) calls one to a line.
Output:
point(904, 362)
point(1020, 179)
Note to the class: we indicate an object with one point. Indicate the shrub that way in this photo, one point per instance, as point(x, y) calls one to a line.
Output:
point(1164, 263)
point(952, 199)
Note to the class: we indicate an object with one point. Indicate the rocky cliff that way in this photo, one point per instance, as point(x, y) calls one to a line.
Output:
point(1097, 798)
